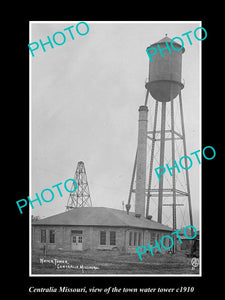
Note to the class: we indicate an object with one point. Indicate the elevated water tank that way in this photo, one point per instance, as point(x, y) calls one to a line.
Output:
point(164, 81)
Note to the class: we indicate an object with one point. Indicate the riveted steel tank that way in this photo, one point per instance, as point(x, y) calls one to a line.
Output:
point(164, 81)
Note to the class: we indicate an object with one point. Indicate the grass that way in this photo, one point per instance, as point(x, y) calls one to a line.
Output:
point(110, 262)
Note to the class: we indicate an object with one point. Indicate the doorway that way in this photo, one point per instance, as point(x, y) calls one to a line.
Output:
point(77, 242)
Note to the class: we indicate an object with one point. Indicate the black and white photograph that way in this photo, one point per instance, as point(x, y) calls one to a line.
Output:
point(115, 119)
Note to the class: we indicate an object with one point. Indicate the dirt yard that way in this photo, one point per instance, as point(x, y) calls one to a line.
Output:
point(110, 262)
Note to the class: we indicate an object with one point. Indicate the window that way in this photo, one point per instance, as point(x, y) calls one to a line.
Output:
point(139, 239)
point(153, 237)
point(43, 236)
point(130, 238)
point(112, 238)
point(158, 236)
point(52, 236)
point(102, 238)
point(80, 239)
point(135, 238)
point(167, 242)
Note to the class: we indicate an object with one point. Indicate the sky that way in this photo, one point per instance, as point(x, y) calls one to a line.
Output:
point(84, 100)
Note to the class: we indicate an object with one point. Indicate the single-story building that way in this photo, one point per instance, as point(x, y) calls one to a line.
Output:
point(95, 228)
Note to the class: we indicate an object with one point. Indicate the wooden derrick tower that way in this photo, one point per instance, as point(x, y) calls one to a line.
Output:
point(81, 197)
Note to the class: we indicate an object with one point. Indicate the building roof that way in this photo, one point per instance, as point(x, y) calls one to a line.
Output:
point(100, 216)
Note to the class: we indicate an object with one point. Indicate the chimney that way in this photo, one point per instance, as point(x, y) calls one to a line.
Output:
point(141, 162)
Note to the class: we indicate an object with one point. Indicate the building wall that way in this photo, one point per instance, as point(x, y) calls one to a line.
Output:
point(127, 239)
point(120, 244)
point(63, 236)
point(147, 237)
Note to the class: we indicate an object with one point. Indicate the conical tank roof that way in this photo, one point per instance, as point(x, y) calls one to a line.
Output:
point(168, 40)
point(165, 39)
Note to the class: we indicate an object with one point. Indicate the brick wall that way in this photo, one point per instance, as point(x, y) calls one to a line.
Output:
point(91, 237)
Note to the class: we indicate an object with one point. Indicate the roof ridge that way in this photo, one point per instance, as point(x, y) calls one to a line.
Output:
point(168, 40)
point(100, 216)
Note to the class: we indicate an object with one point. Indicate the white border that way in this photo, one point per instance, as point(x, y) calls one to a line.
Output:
point(30, 155)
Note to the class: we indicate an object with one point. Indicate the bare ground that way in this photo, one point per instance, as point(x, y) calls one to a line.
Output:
point(110, 262)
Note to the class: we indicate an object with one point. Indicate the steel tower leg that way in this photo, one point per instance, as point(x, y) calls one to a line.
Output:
point(185, 154)
point(174, 214)
point(134, 168)
point(151, 159)
point(132, 184)
point(162, 152)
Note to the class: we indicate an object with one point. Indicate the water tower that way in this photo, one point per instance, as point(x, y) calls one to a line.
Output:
point(164, 84)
